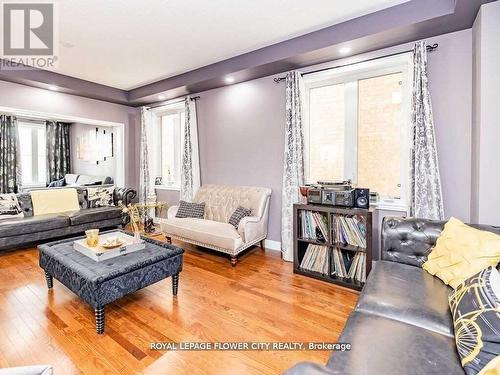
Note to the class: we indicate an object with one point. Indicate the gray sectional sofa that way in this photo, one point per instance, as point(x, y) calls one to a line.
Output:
point(30, 230)
point(402, 323)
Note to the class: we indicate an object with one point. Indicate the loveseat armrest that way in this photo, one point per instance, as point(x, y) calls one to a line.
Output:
point(409, 240)
point(308, 368)
point(172, 211)
point(124, 195)
point(251, 228)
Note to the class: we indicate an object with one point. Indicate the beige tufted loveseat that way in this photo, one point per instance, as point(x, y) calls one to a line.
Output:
point(214, 231)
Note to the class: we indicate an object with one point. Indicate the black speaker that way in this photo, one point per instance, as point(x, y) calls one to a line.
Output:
point(362, 198)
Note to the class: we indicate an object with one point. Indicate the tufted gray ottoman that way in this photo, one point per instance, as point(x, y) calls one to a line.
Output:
point(99, 283)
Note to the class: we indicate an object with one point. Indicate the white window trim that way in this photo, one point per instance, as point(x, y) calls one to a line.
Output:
point(168, 187)
point(351, 74)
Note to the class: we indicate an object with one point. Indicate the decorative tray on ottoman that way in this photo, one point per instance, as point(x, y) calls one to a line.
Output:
point(127, 244)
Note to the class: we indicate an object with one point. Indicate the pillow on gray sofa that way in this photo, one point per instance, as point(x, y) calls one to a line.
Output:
point(57, 183)
point(191, 209)
point(475, 306)
point(9, 207)
point(100, 196)
point(239, 214)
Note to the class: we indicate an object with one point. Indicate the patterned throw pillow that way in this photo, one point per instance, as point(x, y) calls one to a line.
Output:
point(239, 214)
point(101, 196)
point(9, 207)
point(191, 209)
point(475, 307)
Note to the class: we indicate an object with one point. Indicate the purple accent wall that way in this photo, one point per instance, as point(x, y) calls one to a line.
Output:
point(486, 112)
point(450, 81)
point(241, 129)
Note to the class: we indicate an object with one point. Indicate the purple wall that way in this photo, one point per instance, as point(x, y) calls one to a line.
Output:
point(486, 112)
point(241, 133)
point(34, 99)
point(450, 80)
point(241, 128)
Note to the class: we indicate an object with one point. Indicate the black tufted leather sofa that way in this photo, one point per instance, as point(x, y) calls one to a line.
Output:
point(402, 323)
point(31, 230)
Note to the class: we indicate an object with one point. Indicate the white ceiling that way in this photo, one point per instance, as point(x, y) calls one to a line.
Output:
point(129, 43)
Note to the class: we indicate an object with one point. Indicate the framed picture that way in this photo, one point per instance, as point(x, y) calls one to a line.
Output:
point(158, 181)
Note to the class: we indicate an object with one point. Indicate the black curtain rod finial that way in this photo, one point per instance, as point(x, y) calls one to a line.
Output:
point(431, 47)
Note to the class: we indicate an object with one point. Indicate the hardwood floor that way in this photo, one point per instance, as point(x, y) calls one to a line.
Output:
point(259, 300)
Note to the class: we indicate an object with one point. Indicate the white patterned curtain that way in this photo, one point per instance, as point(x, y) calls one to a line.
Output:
point(190, 168)
point(145, 181)
point(293, 168)
point(426, 197)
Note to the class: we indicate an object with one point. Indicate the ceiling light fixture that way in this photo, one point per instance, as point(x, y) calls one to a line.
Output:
point(229, 79)
point(161, 97)
point(53, 88)
point(344, 50)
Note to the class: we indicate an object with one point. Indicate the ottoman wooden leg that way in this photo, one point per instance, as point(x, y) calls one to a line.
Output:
point(234, 260)
point(169, 240)
point(99, 320)
point(49, 279)
point(175, 283)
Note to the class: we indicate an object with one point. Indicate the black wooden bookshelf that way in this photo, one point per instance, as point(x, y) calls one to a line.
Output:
point(300, 244)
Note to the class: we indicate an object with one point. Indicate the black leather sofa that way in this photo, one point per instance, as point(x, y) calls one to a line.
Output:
point(402, 322)
point(30, 230)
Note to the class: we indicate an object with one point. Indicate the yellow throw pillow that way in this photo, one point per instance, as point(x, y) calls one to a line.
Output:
point(462, 251)
point(54, 201)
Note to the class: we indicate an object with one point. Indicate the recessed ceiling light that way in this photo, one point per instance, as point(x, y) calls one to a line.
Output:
point(344, 50)
point(229, 79)
point(161, 97)
point(53, 88)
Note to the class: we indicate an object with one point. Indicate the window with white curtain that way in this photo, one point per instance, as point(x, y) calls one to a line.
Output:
point(33, 150)
point(168, 122)
point(357, 126)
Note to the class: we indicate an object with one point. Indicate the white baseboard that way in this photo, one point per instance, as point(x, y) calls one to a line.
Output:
point(272, 245)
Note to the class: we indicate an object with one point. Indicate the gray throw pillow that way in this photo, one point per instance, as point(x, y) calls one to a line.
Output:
point(191, 209)
point(57, 183)
point(239, 214)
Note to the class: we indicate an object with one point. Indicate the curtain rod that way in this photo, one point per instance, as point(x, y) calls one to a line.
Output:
point(34, 119)
point(194, 98)
point(429, 48)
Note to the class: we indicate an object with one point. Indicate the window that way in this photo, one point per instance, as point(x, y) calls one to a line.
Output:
point(167, 145)
point(33, 150)
point(171, 148)
point(356, 126)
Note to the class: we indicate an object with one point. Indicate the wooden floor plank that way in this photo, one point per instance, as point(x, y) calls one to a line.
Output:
point(258, 300)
